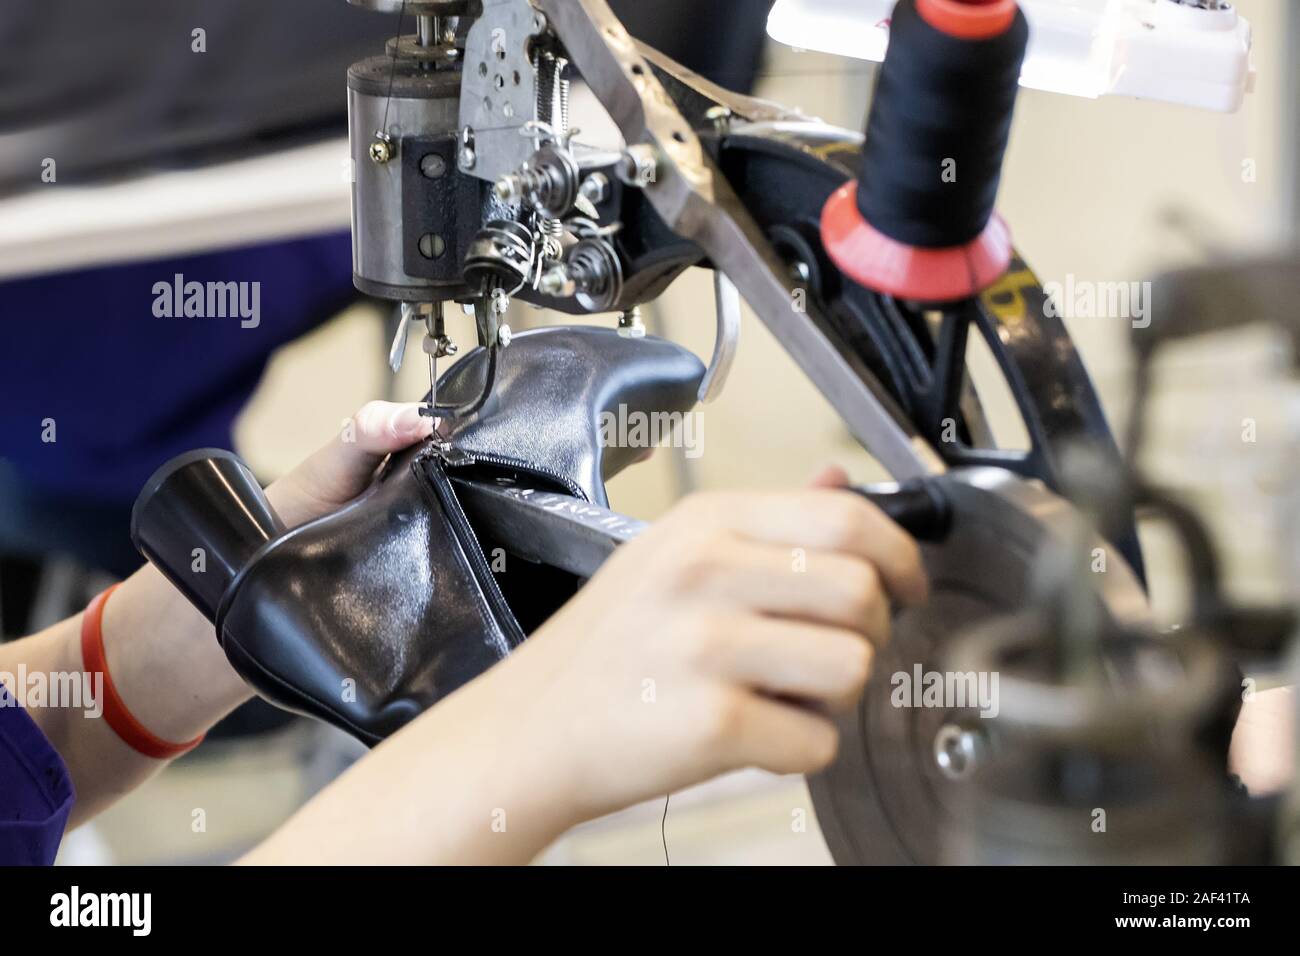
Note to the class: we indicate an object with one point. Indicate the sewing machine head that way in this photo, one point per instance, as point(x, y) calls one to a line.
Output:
point(469, 185)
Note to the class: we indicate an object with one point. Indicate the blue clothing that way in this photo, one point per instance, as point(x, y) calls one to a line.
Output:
point(89, 362)
point(127, 389)
point(35, 790)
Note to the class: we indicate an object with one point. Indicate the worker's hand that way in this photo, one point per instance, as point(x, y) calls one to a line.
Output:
point(717, 640)
point(342, 469)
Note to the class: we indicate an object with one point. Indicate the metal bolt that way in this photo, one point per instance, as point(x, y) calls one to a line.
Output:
point(556, 282)
point(504, 335)
point(438, 346)
point(720, 117)
point(381, 151)
point(630, 325)
point(959, 750)
point(500, 301)
point(640, 166)
point(595, 188)
point(509, 188)
point(467, 156)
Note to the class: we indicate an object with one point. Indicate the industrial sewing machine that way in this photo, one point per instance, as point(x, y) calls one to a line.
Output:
point(1108, 739)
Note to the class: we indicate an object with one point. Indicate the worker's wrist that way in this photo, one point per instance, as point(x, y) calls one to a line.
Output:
point(165, 660)
point(540, 802)
point(516, 790)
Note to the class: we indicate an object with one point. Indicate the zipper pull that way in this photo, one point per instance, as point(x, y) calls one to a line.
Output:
point(452, 457)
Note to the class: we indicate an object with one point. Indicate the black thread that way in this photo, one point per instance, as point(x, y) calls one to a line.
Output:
point(392, 72)
point(663, 830)
point(942, 104)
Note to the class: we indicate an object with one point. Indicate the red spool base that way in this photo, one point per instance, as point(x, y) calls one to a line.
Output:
point(968, 19)
point(874, 260)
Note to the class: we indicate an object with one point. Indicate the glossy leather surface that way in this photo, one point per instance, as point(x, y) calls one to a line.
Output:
point(366, 617)
point(553, 385)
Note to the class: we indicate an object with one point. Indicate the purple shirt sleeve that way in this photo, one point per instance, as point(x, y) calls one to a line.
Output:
point(35, 790)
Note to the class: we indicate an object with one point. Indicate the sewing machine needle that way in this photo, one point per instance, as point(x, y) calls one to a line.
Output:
point(434, 333)
point(433, 385)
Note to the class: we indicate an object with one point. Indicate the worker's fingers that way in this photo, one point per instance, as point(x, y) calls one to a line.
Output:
point(1262, 747)
point(832, 476)
point(817, 520)
point(384, 427)
point(342, 469)
point(780, 737)
point(825, 587)
point(825, 665)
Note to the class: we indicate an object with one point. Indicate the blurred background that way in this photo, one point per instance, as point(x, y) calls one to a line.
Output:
point(232, 162)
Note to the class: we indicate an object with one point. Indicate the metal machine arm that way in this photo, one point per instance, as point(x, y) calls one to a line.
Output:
point(696, 201)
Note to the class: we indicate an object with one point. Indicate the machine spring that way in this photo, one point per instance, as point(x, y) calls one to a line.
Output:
point(504, 253)
point(550, 82)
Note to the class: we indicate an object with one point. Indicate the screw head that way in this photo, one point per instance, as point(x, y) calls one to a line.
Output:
point(433, 166)
point(556, 282)
point(432, 245)
point(640, 166)
point(381, 151)
point(595, 188)
point(507, 188)
point(959, 751)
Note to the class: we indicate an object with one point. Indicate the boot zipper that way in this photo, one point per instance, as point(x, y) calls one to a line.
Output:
point(473, 549)
point(454, 457)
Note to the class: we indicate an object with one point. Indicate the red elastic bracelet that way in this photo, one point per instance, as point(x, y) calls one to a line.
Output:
point(95, 661)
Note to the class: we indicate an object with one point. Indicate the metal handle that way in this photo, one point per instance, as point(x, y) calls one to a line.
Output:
point(918, 507)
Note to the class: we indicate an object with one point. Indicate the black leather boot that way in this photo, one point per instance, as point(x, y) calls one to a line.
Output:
point(366, 617)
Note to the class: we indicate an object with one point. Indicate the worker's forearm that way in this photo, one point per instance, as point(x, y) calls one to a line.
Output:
point(165, 663)
point(471, 781)
point(166, 666)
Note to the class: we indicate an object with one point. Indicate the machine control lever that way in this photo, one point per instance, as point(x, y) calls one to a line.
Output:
point(918, 507)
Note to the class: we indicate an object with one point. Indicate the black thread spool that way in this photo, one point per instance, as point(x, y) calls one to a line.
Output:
point(919, 223)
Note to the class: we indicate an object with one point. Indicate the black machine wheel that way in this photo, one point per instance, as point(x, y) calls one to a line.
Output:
point(784, 173)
